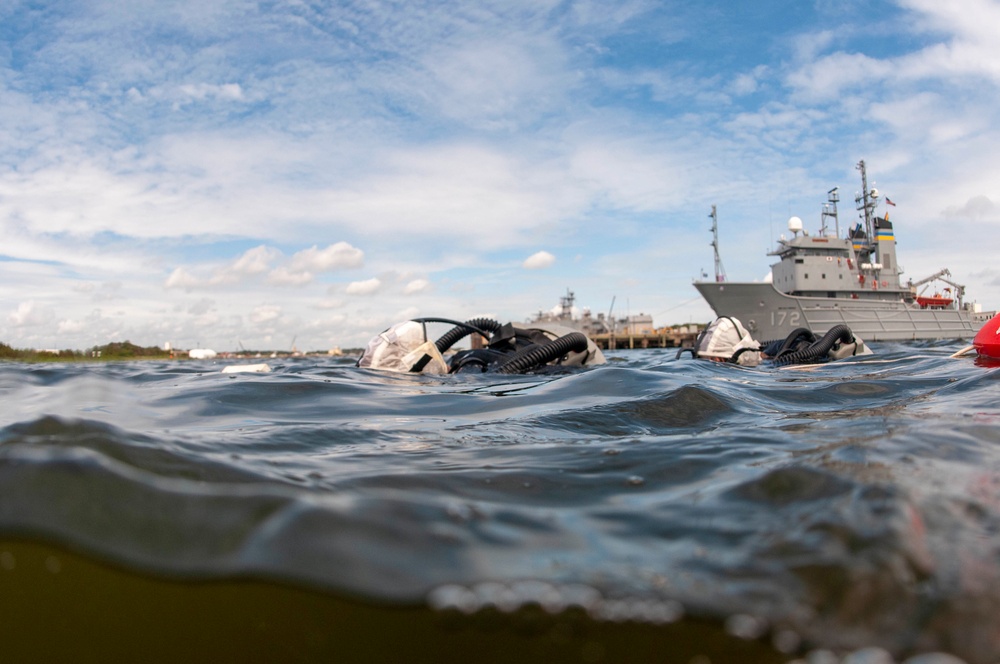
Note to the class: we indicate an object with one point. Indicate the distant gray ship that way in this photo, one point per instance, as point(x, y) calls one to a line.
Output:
point(825, 280)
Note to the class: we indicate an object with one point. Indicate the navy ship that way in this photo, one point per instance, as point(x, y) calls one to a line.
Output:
point(824, 280)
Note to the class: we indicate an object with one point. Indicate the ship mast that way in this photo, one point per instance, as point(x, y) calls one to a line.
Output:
point(830, 210)
point(720, 272)
point(866, 202)
point(566, 305)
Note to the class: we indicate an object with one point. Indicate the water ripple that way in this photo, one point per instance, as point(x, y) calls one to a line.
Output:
point(849, 505)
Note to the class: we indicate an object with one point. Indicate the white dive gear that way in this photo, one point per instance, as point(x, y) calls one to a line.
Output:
point(510, 348)
point(726, 340)
point(404, 347)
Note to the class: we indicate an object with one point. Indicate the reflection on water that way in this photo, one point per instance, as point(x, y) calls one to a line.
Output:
point(685, 508)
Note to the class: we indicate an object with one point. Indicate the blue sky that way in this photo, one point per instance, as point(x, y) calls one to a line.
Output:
point(240, 172)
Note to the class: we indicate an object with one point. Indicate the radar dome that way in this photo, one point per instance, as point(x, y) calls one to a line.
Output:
point(874, 193)
point(795, 224)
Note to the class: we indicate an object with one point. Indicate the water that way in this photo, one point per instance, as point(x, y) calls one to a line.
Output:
point(648, 507)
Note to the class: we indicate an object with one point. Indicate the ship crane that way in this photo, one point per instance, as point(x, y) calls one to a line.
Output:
point(940, 275)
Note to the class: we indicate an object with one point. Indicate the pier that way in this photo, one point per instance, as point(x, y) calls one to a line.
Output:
point(633, 331)
point(663, 338)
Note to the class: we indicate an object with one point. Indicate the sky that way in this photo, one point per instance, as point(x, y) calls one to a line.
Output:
point(273, 174)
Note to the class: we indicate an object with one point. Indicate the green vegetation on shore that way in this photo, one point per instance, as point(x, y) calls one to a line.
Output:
point(124, 350)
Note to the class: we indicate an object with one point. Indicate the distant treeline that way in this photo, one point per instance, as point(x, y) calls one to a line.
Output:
point(124, 350)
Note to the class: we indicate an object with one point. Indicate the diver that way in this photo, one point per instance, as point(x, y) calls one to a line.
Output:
point(726, 340)
point(510, 348)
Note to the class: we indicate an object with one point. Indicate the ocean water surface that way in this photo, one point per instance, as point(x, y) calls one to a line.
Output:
point(650, 509)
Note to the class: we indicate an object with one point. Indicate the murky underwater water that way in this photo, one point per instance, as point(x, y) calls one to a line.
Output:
point(648, 507)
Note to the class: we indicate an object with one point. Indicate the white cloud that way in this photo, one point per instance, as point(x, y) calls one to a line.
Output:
point(496, 83)
point(970, 50)
point(335, 257)
point(539, 261)
point(407, 313)
point(330, 303)
point(416, 286)
point(181, 278)
point(827, 77)
point(255, 261)
point(366, 287)
point(200, 91)
point(186, 93)
point(71, 327)
point(438, 193)
point(976, 208)
point(629, 173)
point(264, 314)
point(284, 276)
point(30, 314)
point(202, 307)
point(973, 20)
point(299, 271)
point(748, 83)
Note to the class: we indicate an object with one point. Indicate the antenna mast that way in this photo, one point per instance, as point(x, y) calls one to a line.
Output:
point(866, 202)
point(720, 272)
point(830, 210)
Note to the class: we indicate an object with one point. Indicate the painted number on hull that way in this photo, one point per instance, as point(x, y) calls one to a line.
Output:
point(782, 318)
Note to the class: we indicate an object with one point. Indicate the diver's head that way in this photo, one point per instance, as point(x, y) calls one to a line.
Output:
point(511, 348)
point(404, 347)
point(726, 340)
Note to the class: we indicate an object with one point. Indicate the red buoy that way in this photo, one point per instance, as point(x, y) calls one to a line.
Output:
point(987, 340)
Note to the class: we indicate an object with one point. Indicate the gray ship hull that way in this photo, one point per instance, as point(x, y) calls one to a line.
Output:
point(770, 314)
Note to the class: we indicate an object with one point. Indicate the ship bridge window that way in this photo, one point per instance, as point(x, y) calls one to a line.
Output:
point(800, 260)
